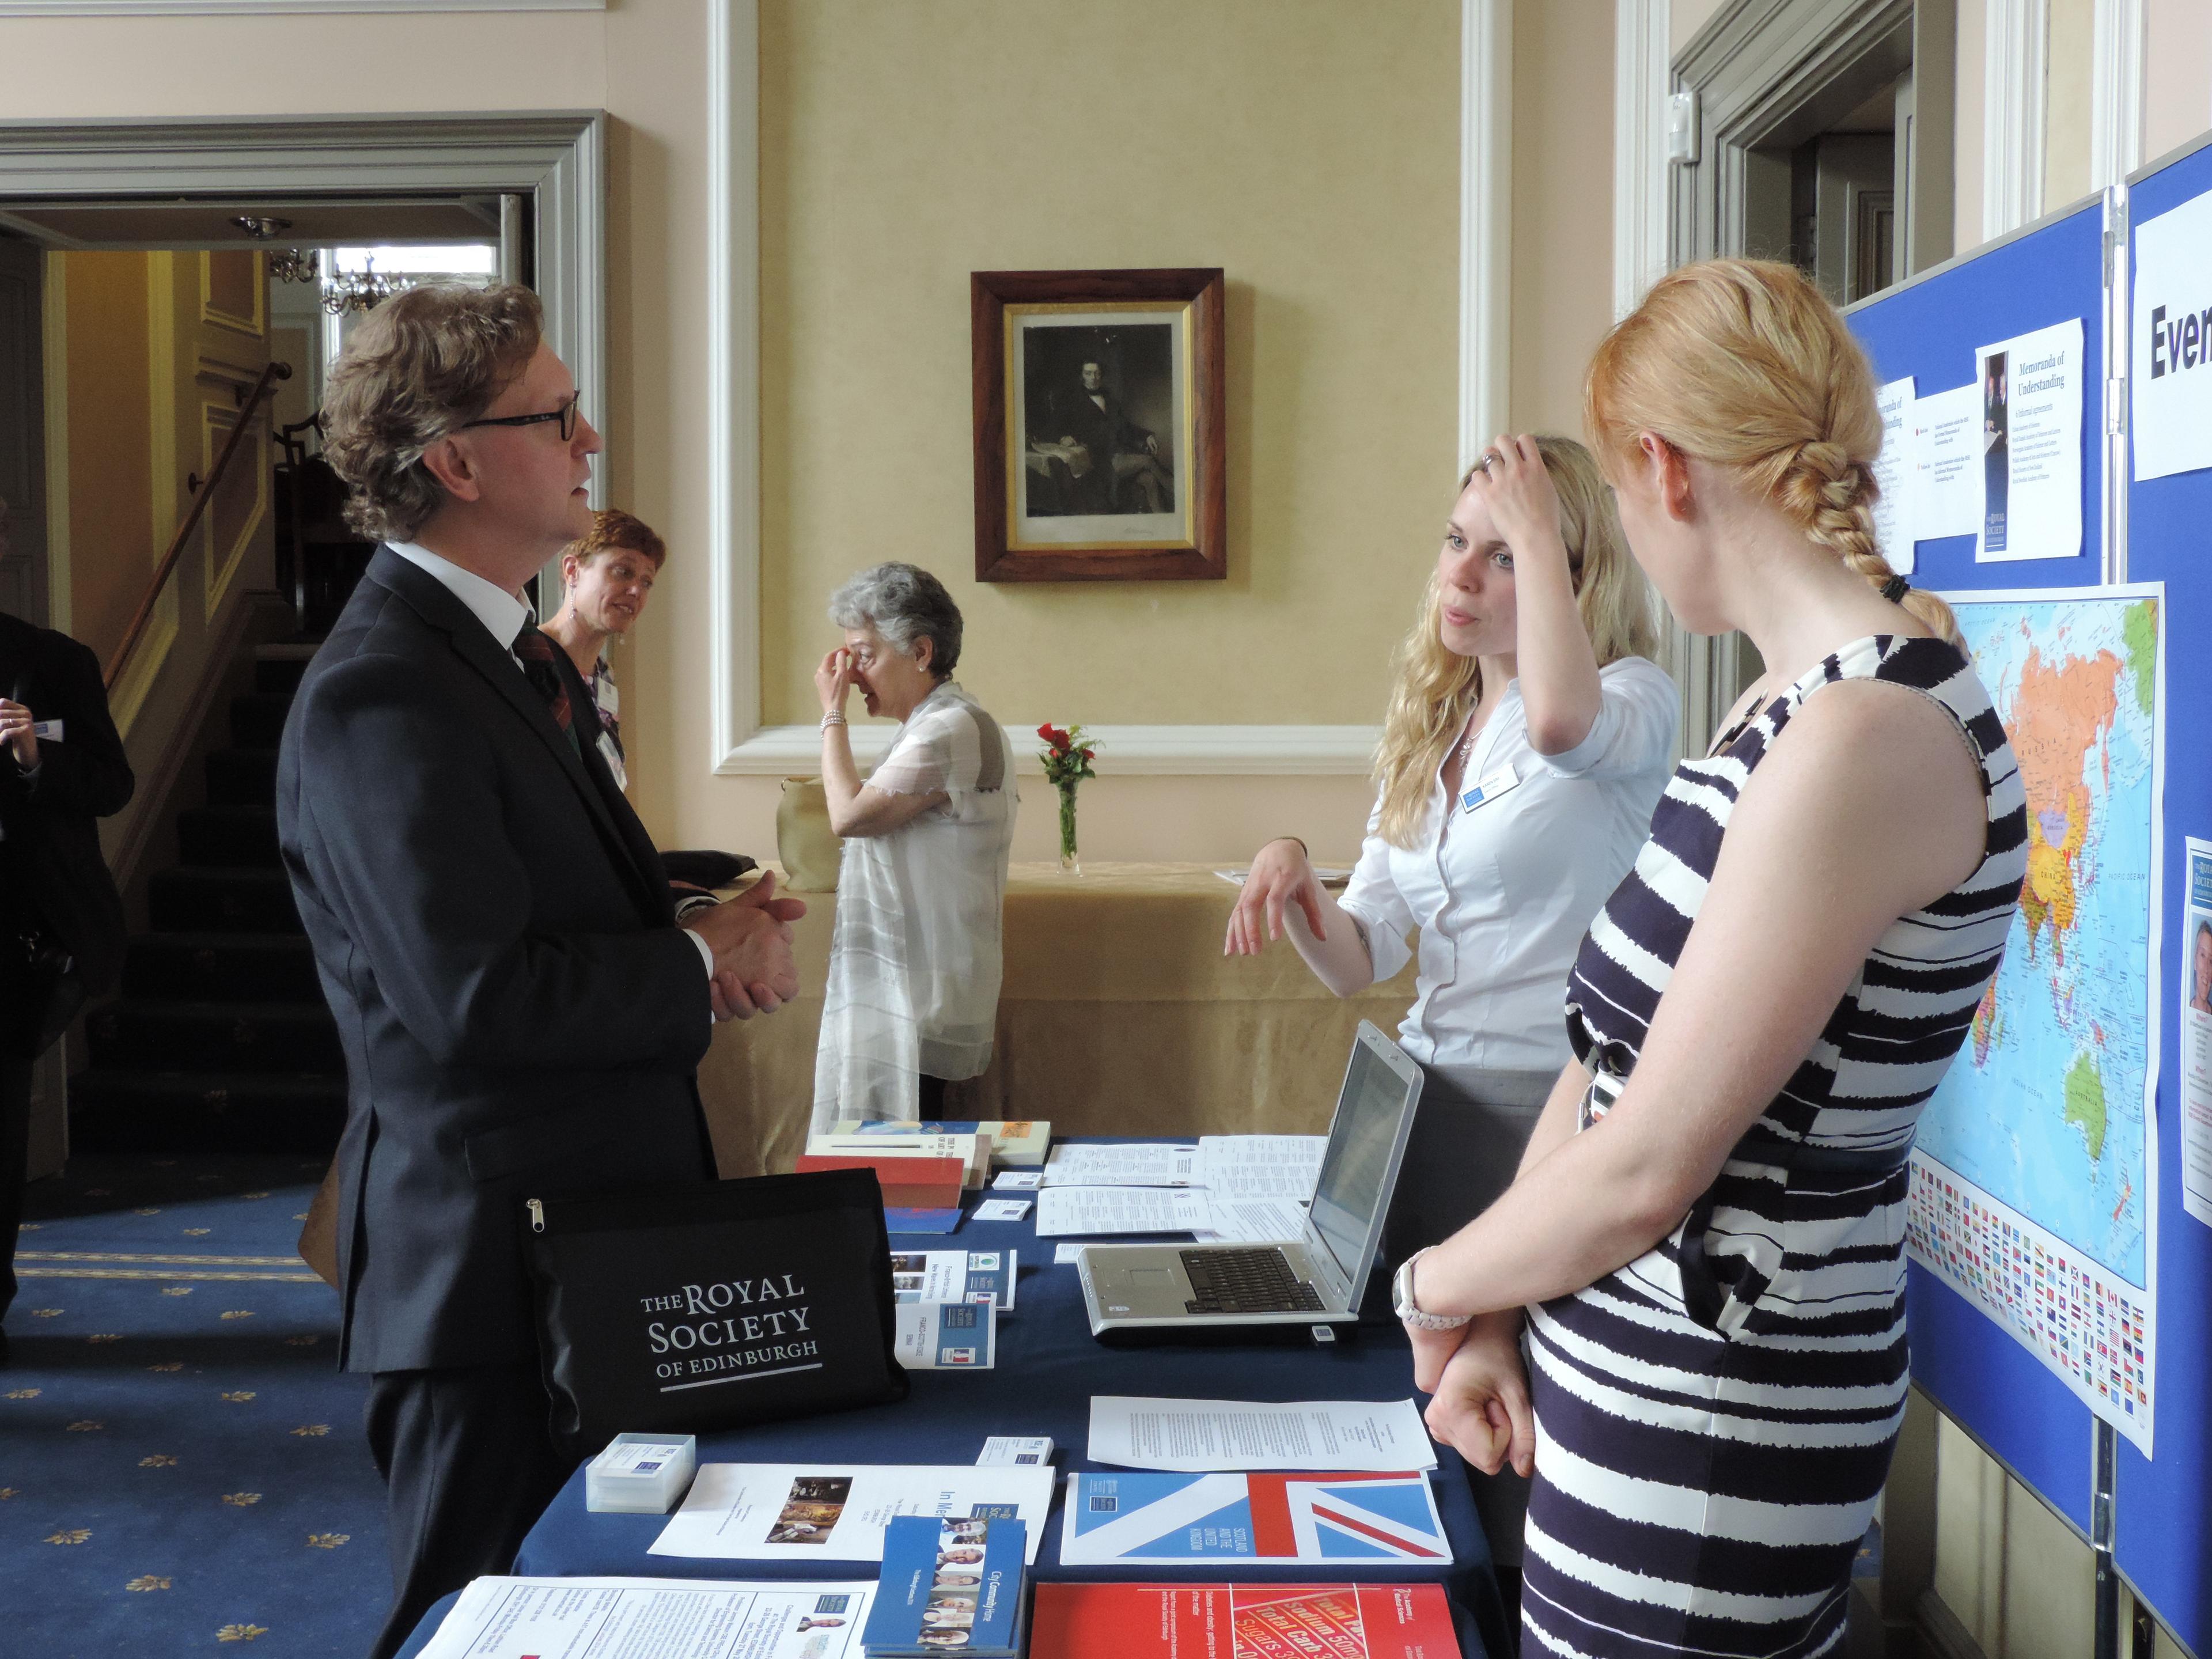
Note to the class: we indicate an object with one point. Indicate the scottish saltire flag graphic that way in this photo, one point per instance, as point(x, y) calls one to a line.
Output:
point(1119, 1516)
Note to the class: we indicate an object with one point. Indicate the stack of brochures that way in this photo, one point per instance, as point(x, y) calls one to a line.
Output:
point(1235, 1189)
point(950, 1584)
point(1017, 1144)
point(1242, 1621)
point(949, 1304)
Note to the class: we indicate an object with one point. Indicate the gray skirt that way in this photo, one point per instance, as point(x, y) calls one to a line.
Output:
point(1468, 1135)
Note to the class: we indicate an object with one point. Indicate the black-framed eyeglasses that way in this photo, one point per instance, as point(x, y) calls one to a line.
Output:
point(566, 415)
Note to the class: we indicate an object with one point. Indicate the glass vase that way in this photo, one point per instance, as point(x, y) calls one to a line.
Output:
point(1071, 862)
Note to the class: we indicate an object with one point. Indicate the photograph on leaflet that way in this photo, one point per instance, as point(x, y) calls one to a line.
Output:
point(812, 1512)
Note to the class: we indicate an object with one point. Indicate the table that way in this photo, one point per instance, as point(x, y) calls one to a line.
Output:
point(1119, 1016)
point(1047, 1369)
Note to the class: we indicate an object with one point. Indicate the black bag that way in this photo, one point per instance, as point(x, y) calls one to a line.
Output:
point(710, 1307)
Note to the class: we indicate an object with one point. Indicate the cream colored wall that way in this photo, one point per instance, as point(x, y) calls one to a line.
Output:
point(1562, 206)
point(110, 440)
point(2066, 94)
point(928, 130)
point(1969, 104)
point(1004, 135)
point(2177, 74)
point(1684, 18)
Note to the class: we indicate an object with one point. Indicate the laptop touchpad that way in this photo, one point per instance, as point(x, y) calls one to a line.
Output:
point(1151, 1277)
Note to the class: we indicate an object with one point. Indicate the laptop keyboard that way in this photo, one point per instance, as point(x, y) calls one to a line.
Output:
point(1246, 1282)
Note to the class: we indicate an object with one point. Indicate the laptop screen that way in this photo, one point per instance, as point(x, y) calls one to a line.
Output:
point(1349, 1198)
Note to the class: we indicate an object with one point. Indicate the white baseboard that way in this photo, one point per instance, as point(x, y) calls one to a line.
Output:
point(1123, 750)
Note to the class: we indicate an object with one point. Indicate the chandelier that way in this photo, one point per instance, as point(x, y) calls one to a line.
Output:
point(292, 265)
point(296, 265)
point(362, 290)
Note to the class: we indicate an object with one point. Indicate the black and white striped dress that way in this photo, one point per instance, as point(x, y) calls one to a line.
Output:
point(1714, 1419)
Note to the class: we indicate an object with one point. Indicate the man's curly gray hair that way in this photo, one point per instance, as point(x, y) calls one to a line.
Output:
point(426, 362)
point(905, 604)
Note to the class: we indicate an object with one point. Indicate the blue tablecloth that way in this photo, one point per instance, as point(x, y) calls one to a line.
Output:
point(1049, 1367)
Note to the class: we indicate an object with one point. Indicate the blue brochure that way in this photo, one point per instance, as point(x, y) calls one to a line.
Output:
point(950, 1584)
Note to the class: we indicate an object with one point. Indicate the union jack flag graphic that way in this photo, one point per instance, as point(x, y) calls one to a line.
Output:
point(1370, 1518)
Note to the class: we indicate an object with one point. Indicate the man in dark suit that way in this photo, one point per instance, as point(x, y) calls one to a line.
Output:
point(520, 1010)
point(62, 767)
point(1121, 451)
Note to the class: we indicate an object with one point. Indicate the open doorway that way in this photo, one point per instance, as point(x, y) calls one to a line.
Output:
point(218, 267)
point(1821, 134)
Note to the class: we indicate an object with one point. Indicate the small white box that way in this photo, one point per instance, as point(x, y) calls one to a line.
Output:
point(640, 1474)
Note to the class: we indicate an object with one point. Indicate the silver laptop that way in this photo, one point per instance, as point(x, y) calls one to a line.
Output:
point(1134, 1291)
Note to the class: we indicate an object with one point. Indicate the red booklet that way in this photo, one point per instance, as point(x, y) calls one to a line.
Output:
point(908, 1183)
point(1242, 1621)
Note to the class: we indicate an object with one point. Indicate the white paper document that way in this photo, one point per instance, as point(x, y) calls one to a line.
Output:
point(1947, 464)
point(2196, 1033)
point(2031, 394)
point(1261, 1166)
point(652, 1619)
point(1075, 1212)
point(836, 1511)
point(1254, 1220)
point(1893, 475)
point(1066, 1255)
point(2171, 387)
point(1001, 1209)
point(1137, 1164)
point(1190, 1436)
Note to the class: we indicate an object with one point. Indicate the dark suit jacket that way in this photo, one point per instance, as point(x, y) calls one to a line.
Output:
point(520, 1016)
point(50, 869)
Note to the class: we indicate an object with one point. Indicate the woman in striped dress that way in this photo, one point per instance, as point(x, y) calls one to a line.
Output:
point(1707, 1231)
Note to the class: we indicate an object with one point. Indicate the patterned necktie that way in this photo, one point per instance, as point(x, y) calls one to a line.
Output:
point(536, 652)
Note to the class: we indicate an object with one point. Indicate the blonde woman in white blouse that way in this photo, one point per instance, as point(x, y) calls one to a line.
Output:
point(915, 957)
point(1528, 737)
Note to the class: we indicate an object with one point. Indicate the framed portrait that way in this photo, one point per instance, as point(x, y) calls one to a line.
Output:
point(1099, 437)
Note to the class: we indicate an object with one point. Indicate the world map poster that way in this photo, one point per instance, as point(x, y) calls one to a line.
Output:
point(2034, 1184)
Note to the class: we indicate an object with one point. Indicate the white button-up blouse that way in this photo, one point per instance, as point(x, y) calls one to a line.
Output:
point(1504, 895)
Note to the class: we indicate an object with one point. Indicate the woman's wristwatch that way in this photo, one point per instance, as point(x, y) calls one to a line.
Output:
point(1402, 1303)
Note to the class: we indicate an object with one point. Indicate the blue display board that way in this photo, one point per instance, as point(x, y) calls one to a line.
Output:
point(2163, 1505)
point(1928, 328)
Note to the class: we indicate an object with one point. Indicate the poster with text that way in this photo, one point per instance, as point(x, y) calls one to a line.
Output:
point(1894, 511)
point(2171, 386)
point(2030, 390)
point(2197, 1034)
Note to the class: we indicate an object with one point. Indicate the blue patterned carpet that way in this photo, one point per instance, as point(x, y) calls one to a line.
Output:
point(182, 1468)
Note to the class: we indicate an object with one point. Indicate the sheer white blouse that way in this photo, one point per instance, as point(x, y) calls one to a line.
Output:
point(915, 957)
point(1504, 893)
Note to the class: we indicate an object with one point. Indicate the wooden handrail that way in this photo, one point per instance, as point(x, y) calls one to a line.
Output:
point(201, 498)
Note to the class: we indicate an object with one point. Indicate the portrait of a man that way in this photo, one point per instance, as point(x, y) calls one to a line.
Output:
point(1100, 405)
point(1100, 438)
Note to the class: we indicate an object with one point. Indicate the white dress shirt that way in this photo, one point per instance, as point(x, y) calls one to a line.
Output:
point(504, 618)
point(1504, 894)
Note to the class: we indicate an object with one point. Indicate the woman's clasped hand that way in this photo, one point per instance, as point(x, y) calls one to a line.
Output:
point(1478, 1391)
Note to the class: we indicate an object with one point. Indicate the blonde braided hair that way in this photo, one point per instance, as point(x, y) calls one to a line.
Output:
point(1743, 364)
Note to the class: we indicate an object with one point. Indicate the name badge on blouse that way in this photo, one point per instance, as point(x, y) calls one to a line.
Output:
point(1498, 783)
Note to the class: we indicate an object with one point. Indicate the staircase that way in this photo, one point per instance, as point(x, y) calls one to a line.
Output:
point(220, 1040)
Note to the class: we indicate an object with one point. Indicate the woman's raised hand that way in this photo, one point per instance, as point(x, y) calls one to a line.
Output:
point(833, 680)
point(1280, 876)
point(1518, 491)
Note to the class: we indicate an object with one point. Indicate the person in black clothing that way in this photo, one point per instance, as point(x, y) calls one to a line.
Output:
point(1119, 450)
point(62, 767)
point(522, 1011)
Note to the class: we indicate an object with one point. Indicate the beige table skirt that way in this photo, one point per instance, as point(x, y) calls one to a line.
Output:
point(1119, 1016)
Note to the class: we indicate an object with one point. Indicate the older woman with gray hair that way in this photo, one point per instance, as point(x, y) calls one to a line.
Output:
point(914, 961)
